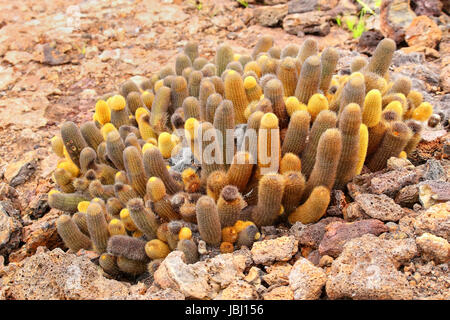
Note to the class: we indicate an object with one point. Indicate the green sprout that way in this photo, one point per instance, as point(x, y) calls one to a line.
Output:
point(358, 29)
point(243, 3)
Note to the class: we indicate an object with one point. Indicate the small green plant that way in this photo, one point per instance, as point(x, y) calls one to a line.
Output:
point(197, 4)
point(357, 29)
point(243, 3)
point(360, 27)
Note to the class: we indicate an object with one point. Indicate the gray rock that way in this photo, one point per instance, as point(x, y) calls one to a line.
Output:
point(10, 228)
point(434, 170)
point(59, 275)
point(368, 269)
point(435, 220)
point(270, 16)
point(201, 280)
point(279, 249)
point(306, 280)
point(299, 24)
point(380, 206)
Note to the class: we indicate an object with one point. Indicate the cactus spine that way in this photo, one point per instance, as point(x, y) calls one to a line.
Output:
point(73, 141)
point(329, 59)
point(297, 132)
point(326, 164)
point(294, 185)
point(314, 208)
point(154, 165)
point(325, 120)
point(208, 220)
point(270, 194)
point(394, 141)
point(143, 218)
point(224, 124)
point(235, 91)
point(73, 238)
point(97, 226)
point(229, 205)
point(134, 168)
point(349, 124)
point(308, 82)
point(371, 113)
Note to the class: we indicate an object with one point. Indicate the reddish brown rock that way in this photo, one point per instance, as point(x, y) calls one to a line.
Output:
point(395, 17)
point(41, 233)
point(353, 212)
point(279, 293)
point(337, 203)
point(408, 196)
point(428, 7)
point(338, 233)
point(423, 32)
point(310, 235)
point(277, 274)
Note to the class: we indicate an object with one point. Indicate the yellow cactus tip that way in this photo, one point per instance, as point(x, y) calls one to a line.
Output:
point(185, 234)
point(53, 191)
point(153, 179)
point(117, 102)
point(236, 57)
point(107, 128)
point(423, 112)
point(165, 137)
point(269, 120)
point(158, 84)
point(124, 213)
point(188, 172)
point(147, 146)
point(114, 222)
point(257, 236)
point(402, 155)
point(249, 82)
point(292, 100)
point(82, 206)
point(231, 72)
point(139, 112)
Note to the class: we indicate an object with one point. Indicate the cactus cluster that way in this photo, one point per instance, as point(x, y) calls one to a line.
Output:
point(316, 129)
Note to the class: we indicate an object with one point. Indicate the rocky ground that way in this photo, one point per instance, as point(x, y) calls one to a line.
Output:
point(387, 240)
